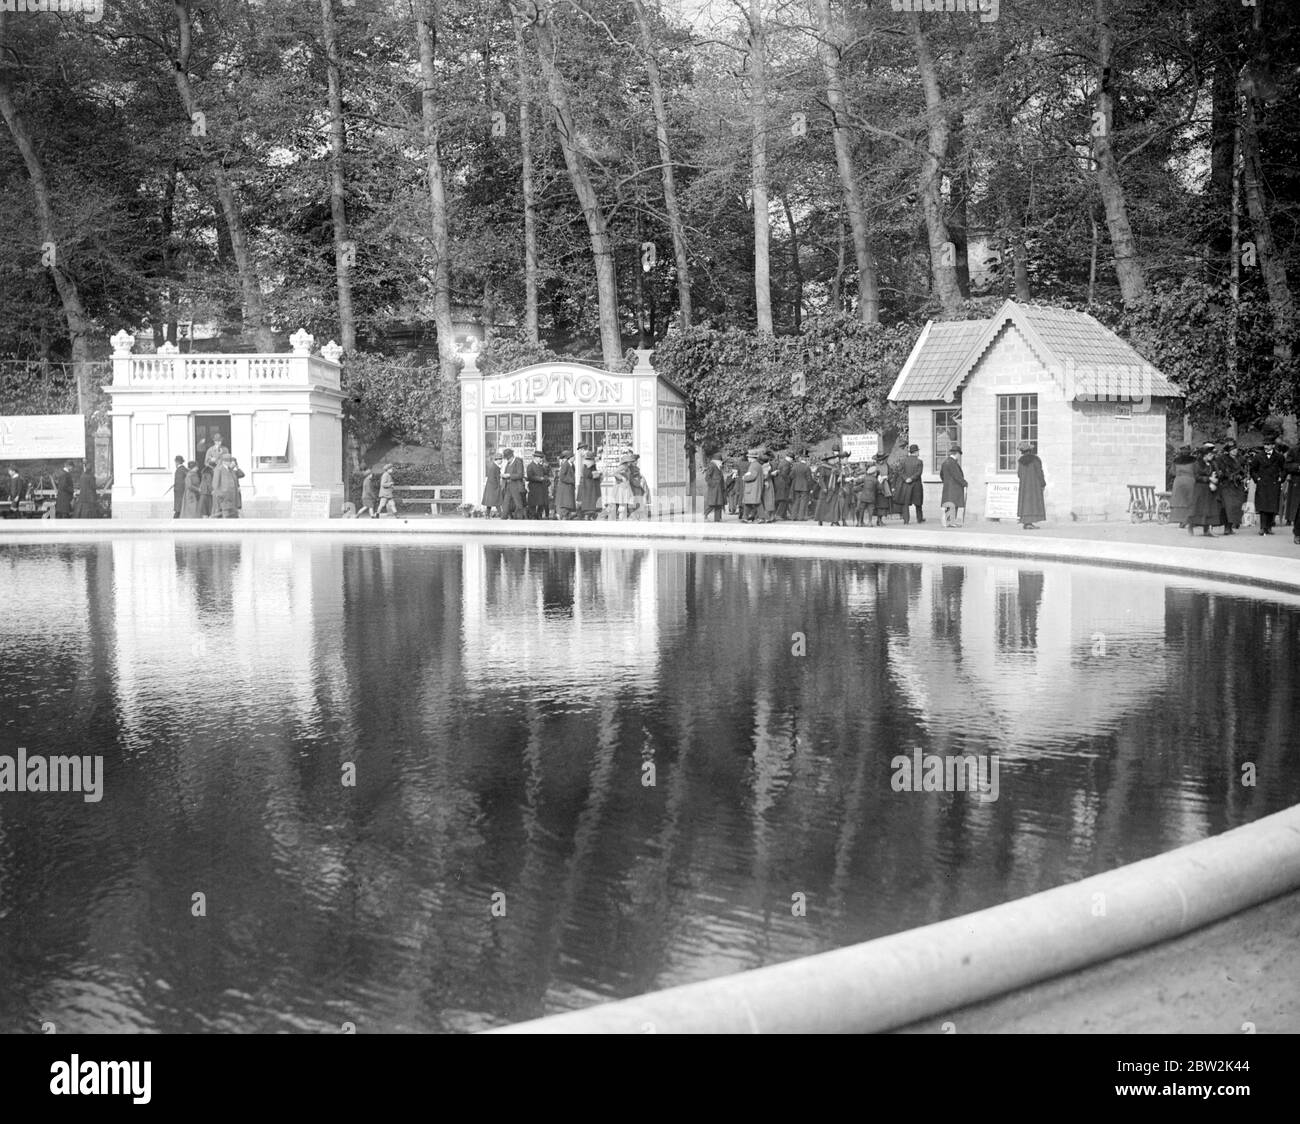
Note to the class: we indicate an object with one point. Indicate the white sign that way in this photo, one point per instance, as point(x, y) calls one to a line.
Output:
point(554, 385)
point(618, 444)
point(861, 447)
point(1002, 499)
point(42, 437)
point(309, 503)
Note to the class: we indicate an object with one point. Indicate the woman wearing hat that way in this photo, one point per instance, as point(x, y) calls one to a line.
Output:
point(882, 501)
point(830, 498)
point(1206, 508)
point(1184, 490)
point(622, 494)
point(565, 489)
point(589, 499)
point(491, 489)
point(752, 483)
point(1291, 508)
point(1031, 508)
point(715, 488)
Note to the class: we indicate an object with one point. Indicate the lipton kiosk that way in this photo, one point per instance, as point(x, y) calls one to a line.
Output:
point(556, 406)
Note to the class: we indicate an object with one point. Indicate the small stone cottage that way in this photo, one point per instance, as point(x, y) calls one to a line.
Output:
point(1093, 408)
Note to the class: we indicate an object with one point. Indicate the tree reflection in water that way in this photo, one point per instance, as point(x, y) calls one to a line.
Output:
point(505, 711)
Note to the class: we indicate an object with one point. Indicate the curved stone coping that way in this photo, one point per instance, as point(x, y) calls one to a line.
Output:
point(1238, 568)
point(920, 973)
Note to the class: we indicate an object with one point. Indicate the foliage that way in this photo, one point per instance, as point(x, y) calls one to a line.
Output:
point(393, 397)
point(746, 389)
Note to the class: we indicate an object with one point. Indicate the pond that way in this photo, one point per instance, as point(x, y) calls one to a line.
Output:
point(447, 785)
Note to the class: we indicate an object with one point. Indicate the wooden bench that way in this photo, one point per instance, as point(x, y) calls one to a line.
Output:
point(436, 496)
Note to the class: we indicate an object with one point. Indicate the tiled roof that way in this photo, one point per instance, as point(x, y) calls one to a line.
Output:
point(1085, 357)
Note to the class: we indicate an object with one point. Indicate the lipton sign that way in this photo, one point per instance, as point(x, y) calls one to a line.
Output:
point(559, 387)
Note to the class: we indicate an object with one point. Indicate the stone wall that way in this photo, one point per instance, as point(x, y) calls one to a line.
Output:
point(1115, 452)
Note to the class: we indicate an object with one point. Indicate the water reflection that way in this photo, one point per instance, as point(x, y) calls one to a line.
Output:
point(439, 788)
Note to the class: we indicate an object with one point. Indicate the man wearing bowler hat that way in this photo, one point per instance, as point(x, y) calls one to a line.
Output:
point(954, 487)
point(913, 491)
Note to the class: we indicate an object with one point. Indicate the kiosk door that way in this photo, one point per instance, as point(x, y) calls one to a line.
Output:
point(557, 435)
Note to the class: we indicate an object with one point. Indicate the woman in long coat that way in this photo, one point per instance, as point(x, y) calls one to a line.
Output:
point(566, 495)
point(752, 484)
point(1206, 511)
point(492, 488)
point(715, 489)
point(589, 501)
point(87, 505)
point(830, 501)
point(883, 501)
point(205, 493)
point(769, 488)
point(1292, 491)
point(224, 490)
point(1031, 508)
point(1184, 492)
point(193, 494)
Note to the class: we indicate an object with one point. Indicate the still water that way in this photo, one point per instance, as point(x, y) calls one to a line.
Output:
point(576, 774)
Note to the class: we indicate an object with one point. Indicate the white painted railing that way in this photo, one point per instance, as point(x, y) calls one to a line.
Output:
point(169, 368)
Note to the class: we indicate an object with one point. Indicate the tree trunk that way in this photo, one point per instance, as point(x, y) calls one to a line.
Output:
point(343, 252)
point(837, 281)
point(602, 247)
point(427, 14)
point(254, 318)
point(526, 182)
point(796, 267)
point(1013, 247)
point(959, 193)
point(943, 253)
point(868, 278)
point(169, 309)
point(74, 312)
point(667, 176)
point(1223, 157)
point(1128, 266)
point(1281, 302)
point(758, 168)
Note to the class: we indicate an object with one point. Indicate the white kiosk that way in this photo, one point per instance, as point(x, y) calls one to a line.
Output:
point(280, 415)
point(556, 406)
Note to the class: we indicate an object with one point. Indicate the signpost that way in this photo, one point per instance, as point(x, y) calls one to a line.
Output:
point(861, 447)
point(1001, 499)
point(309, 503)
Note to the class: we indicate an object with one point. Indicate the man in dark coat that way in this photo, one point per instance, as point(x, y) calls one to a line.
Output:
point(1031, 507)
point(492, 486)
point(512, 475)
point(913, 490)
point(87, 506)
point(1292, 513)
point(715, 488)
point(782, 478)
point(800, 485)
point(17, 488)
point(63, 490)
point(536, 475)
point(1233, 472)
point(178, 487)
point(1267, 469)
point(954, 487)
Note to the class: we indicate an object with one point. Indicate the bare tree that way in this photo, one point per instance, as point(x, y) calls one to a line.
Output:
point(757, 43)
point(831, 50)
point(526, 184)
point(255, 323)
point(1128, 266)
point(344, 251)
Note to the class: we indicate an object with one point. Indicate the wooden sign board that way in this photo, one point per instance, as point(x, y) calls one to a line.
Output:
point(1001, 499)
point(309, 503)
point(861, 447)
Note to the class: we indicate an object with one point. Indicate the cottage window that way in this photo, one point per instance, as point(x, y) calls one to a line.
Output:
point(150, 446)
point(1017, 422)
point(598, 430)
point(509, 431)
point(271, 440)
point(947, 432)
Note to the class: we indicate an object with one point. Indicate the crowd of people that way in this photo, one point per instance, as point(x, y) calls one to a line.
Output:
point(75, 494)
point(1217, 486)
point(209, 490)
point(759, 486)
point(571, 488)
